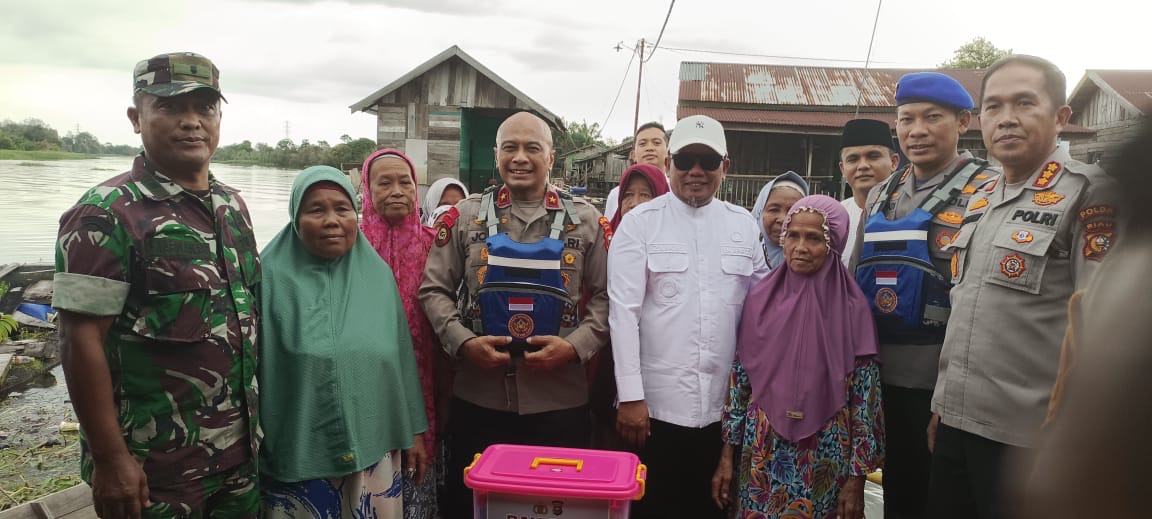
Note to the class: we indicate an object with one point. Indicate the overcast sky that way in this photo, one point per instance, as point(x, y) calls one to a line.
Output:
point(301, 63)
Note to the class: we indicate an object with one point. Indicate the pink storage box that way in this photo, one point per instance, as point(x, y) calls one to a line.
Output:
point(534, 482)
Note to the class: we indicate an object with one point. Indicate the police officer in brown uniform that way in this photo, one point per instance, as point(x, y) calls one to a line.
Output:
point(1028, 241)
point(501, 393)
point(933, 111)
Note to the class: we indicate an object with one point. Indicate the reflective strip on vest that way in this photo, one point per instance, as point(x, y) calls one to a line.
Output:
point(524, 263)
point(895, 236)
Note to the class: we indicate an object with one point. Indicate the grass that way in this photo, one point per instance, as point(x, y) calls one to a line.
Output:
point(30, 473)
point(42, 155)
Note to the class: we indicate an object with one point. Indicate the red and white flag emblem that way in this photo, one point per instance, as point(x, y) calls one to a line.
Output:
point(886, 277)
point(520, 304)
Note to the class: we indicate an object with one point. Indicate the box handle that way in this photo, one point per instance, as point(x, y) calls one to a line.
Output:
point(579, 464)
point(475, 460)
point(641, 474)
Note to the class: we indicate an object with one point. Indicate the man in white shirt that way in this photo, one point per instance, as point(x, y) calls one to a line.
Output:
point(867, 158)
point(650, 146)
point(678, 271)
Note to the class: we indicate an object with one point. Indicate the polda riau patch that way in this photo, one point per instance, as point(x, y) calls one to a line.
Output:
point(1013, 266)
point(886, 300)
point(1098, 238)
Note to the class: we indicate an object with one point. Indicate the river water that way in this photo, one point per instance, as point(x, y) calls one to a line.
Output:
point(33, 194)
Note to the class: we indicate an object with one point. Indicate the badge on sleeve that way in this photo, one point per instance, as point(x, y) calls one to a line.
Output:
point(442, 234)
point(1098, 238)
point(968, 189)
point(606, 226)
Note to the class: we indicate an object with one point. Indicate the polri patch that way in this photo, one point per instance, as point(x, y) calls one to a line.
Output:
point(1013, 266)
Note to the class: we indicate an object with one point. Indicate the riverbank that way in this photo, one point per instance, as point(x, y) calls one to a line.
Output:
point(43, 155)
point(37, 457)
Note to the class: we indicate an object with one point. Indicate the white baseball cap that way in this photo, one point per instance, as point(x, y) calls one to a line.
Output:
point(698, 129)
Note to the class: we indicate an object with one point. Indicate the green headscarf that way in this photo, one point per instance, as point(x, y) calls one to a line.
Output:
point(338, 380)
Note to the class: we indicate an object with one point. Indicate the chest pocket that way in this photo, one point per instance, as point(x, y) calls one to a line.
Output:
point(176, 305)
point(736, 263)
point(668, 263)
point(1019, 256)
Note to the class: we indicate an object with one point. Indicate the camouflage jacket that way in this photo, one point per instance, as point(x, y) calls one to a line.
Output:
point(179, 272)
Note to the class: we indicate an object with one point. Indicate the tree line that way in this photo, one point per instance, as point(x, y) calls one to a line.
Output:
point(35, 135)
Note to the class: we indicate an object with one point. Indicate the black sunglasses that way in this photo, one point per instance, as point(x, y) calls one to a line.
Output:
point(685, 162)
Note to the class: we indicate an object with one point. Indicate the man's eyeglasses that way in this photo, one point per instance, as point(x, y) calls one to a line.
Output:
point(685, 162)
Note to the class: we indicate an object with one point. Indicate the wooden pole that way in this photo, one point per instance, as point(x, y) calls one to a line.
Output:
point(639, 80)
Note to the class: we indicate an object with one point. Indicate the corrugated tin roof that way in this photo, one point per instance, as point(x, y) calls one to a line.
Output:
point(1131, 86)
point(836, 120)
point(784, 85)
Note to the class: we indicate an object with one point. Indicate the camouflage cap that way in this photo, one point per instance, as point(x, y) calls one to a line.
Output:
point(175, 73)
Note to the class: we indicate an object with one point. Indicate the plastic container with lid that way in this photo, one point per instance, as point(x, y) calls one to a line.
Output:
point(534, 482)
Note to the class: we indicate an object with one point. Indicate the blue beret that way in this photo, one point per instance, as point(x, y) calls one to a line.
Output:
point(932, 87)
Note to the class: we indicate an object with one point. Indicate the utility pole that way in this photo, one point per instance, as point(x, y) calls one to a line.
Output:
point(639, 81)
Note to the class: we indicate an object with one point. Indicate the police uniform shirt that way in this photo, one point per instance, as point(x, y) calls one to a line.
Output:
point(678, 276)
point(461, 255)
point(1021, 253)
point(914, 366)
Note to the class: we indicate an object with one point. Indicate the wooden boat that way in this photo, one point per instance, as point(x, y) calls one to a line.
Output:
point(72, 503)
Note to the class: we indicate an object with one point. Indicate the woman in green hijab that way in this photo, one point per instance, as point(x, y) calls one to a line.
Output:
point(340, 395)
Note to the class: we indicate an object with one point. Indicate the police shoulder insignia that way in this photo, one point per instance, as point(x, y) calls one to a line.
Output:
point(1047, 175)
point(979, 203)
point(1047, 198)
point(606, 226)
point(1012, 266)
point(955, 263)
point(968, 189)
point(951, 217)
point(551, 200)
point(503, 197)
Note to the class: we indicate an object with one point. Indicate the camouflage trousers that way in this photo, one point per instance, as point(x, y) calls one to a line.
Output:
point(228, 495)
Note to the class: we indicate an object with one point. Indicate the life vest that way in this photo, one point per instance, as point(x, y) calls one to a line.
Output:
point(909, 297)
point(523, 291)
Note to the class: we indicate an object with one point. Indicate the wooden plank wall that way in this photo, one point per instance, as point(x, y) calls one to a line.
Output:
point(429, 108)
point(1101, 110)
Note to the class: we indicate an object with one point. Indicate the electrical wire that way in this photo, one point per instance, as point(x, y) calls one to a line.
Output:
point(661, 36)
point(768, 56)
point(868, 57)
point(618, 92)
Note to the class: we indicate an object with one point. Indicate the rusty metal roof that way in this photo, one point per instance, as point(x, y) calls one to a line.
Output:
point(1133, 87)
point(810, 119)
point(788, 85)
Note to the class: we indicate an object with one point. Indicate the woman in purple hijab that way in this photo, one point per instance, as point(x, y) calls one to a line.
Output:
point(804, 410)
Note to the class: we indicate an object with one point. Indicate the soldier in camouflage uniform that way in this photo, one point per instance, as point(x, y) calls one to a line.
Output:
point(156, 279)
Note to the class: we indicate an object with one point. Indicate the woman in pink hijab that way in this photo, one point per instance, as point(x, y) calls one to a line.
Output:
point(804, 410)
point(391, 222)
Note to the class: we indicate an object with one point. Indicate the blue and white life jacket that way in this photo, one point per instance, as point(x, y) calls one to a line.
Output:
point(908, 296)
point(523, 291)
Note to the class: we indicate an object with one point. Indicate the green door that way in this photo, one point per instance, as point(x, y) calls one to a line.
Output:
point(477, 139)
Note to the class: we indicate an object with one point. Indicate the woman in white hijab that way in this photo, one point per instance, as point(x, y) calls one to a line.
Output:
point(443, 192)
point(772, 205)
